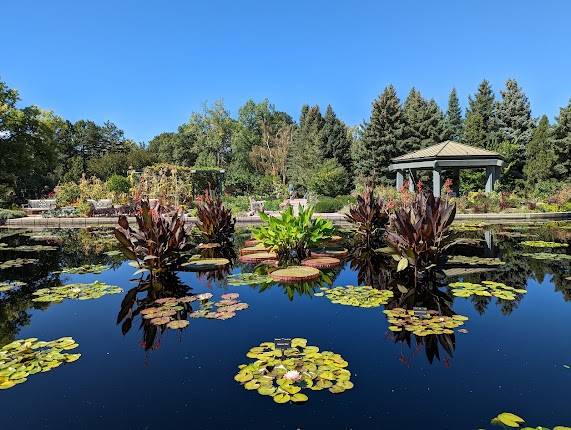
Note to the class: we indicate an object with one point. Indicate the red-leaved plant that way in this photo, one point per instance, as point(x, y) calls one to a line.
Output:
point(370, 217)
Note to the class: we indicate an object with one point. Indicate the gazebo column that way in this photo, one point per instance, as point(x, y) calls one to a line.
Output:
point(436, 182)
point(400, 179)
point(492, 175)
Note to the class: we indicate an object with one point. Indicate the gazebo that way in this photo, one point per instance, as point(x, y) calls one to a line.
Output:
point(448, 156)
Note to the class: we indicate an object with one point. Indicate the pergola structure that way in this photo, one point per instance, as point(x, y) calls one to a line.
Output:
point(449, 156)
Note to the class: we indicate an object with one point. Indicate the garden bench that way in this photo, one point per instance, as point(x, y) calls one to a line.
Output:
point(38, 206)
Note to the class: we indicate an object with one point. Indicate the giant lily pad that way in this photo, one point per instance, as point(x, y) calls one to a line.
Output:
point(363, 297)
point(10, 285)
point(543, 244)
point(258, 257)
point(94, 290)
point(321, 262)
point(252, 242)
point(295, 274)
point(486, 288)
point(25, 357)
point(283, 373)
point(255, 249)
point(86, 268)
point(330, 251)
point(432, 323)
point(200, 264)
point(248, 279)
point(18, 262)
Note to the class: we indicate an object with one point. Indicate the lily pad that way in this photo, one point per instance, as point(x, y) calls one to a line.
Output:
point(284, 373)
point(206, 263)
point(251, 242)
point(29, 248)
point(432, 323)
point(86, 268)
point(295, 274)
point(94, 290)
point(487, 289)
point(258, 257)
point(24, 357)
point(474, 261)
point(248, 279)
point(18, 262)
point(363, 296)
point(546, 256)
point(10, 285)
point(330, 251)
point(508, 419)
point(321, 262)
point(254, 249)
point(543, 244)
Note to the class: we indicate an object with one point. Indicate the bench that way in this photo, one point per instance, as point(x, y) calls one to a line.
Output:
point(101, 204)
point(38, 206)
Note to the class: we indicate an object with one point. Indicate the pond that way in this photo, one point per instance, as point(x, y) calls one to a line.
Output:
point(511, 354)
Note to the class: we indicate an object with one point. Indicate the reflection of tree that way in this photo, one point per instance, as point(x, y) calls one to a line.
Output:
point(145, 294)
point(371, 267)
point(432, 298)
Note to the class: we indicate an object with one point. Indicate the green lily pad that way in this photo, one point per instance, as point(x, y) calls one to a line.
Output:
point(508, 419)
point(543, 244)
point(363, 296)
point(474, 261)
point(24, 357)
point(431, 323)
point(10, 285)
point(206, 263)
point(29, 248)
point(486, 288)
point(295, 274)
point(18, 262)
point(284, 373)
point(547, 256)
point(94, 290)
point(86, 268)
point(248, 279)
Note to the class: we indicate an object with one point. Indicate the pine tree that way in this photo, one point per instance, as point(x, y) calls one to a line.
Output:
point(337, 140)
point(424, 123)
point(382, 139)
point(562, 144)
point(454, 117)
point(484, 105)
point(474, 132)
point(540, 156)
point(306, 154)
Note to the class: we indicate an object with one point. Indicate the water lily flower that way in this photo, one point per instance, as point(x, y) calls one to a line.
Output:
point(292, 376)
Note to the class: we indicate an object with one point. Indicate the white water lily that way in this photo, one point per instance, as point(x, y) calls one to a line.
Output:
point(292, 376)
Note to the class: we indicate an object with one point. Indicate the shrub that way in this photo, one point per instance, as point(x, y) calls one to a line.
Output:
point(67, 194)
point(237, 204)
point(11, 213)
point(85, 208)
point(118, 184)
point(92, 188)
point(330, 179)
point(326, 204)
point(290, 236)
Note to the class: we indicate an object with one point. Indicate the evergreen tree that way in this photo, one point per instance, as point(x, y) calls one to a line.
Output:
point(484, 105)
point(562, 144)
point(454, 117)
point(540, 156)
point(306, 152)
point(423, 122)
point(474, 132)
point(382, 138)
point(337, 140)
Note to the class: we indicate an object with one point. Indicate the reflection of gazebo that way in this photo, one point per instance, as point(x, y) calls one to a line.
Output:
point(449, 156)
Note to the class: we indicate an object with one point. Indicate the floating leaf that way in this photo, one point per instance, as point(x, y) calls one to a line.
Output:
point(546, 256)
point(206, 263)
point(94, 290)
point(10, 285)
point(474, 261)
point(248, 279)
point(363, 296)
point(508, 419)
point(29, 248)
point(86, 268)
point(430, 323)
point(18, 262)
point(486, 288)
point(295, 274)
point(543, 244)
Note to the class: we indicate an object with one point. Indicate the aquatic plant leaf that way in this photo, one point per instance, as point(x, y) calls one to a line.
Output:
point(362, 296)
point(541, 256)
point(543, 244)
point(10, 285)
point(248, 279)
point(509, 419)
point(84, 269)
point(486, 288)
point(18, 262)
point(29, 248)
point(295, 274)
point(206, 263)
point(423, 325)
point(93, 290)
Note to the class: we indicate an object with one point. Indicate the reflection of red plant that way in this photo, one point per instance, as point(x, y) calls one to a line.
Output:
point(419, 186)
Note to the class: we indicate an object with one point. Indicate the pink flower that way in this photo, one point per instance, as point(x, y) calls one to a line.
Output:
point(292, 376)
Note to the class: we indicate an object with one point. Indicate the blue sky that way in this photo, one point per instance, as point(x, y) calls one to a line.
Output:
point(146, 65)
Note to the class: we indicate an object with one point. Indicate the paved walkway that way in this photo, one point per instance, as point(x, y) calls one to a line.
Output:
point(338, 218)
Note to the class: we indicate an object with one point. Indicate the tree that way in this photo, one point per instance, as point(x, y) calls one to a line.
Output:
point(484, 105)
point(165, 148)
point(454, 117)
point(307, 148)
point(382, 138)
point(540, 156)
point(337, 140)
point(474, 132)
point(423, 122)
point(562, 143)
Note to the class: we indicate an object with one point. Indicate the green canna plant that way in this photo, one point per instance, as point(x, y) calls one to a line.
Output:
point(158, 244)
point(291, 236)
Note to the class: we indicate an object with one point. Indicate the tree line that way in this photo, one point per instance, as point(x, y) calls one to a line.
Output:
point(266, 151)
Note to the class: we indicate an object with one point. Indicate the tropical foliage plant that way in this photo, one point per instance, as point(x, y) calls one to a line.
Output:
point(419, 233)
point(370, 217)
point(291, 236)
point(215, 221)
point(158, 244)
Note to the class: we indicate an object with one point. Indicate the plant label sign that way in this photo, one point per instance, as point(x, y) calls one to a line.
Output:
point(420, 312)
point(282, 343)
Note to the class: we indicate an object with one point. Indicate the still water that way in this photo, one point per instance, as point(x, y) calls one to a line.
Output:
point(512, 356)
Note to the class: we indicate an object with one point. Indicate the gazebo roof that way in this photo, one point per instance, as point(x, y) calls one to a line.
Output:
point(447, 150)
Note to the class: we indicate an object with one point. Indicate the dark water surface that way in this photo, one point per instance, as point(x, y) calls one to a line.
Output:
point(512, 358)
